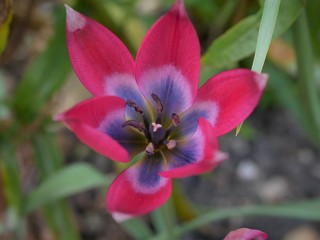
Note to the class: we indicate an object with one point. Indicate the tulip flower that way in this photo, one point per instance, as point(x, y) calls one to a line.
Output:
point(153, 105)
point(246, 234)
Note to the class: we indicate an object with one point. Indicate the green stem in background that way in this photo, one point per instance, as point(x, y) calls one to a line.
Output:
point(308, 210)
point(137, 228)
point(49, 160)
point(266, 29)
point(306, 73)
point(164, 219)
point(11, 187)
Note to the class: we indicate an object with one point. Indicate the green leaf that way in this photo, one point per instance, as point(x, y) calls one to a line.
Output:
point(240, 41)
point(306, 74)
point(312, 8)
point(63, 183)
point(45, 76)
point(308, 210)
point(226, 48)
point(286, 94)
point(5, 20)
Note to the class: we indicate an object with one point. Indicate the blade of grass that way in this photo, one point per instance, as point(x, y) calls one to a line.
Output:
point(308, 210)
point(11, 187)
point(306, 73)
point(266, 29)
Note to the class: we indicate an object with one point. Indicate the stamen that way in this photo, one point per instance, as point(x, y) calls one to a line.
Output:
point(150, 149)
point(159, 106)
point(138, 109)
point(155, 126)
point(134, 124)
point(132, 104)
point(171, 144)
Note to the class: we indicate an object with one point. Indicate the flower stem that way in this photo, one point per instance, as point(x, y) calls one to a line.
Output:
point(164, 220)
point(304, 56)
point(266, 29)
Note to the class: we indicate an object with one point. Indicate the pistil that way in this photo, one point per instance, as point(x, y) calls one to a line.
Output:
point(156, 126)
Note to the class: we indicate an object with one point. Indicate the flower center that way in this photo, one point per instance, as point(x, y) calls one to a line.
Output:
point(156, 135)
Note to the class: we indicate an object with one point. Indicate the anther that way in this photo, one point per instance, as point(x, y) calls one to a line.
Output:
point(158, 102)
point(134, 124)
point(171, 144)
point(132, 104)
point(150, 149)
point(159, 106)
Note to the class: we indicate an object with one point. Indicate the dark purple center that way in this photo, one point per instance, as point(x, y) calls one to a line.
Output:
point(156, 135)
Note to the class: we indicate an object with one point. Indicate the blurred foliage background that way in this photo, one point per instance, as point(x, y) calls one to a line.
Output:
point(42, 164)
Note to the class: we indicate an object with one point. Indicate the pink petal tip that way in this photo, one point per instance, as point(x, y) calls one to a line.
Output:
point(261, 80)
point(58, 117)
point(121, 217)
point(179, 6)
point(220, 156)
point(75, 20)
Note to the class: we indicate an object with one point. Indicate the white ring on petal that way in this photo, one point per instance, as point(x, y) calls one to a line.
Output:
point(118, 79)
point(155, 80)
point(133, 175)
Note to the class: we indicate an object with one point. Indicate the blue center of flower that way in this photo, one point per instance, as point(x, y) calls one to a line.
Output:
point(157, 136)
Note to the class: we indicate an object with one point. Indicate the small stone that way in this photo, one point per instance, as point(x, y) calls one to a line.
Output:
point(274, 190)
point(302, 233)
point(247, 170)
point(306, 156)
point(315, 171)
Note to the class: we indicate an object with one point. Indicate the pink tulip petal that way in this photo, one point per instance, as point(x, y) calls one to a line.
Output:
point(99, 58)
point(235, 93)
point(168, 61)
point(195, 155)
point(246, 234)
point(226, 100)
point(138, 190)
point(97, 122)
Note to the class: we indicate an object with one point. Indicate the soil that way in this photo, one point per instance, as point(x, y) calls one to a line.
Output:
point(277, 164)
